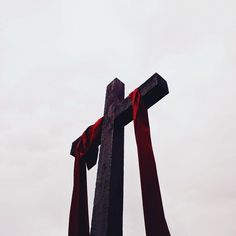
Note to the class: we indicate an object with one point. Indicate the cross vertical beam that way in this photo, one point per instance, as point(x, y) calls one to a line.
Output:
point(108, 201)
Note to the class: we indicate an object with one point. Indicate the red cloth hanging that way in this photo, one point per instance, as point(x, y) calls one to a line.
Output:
point(155, 222)
point(85, 150)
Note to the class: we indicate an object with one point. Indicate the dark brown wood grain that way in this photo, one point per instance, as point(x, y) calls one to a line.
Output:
point(152, 90)
point(108, 200)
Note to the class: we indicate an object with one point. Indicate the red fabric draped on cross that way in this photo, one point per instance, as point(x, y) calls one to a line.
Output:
point(85, 150)
point(155, 222)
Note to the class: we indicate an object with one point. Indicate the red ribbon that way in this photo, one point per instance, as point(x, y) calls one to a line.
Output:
point(155, 222)
point(85, 150)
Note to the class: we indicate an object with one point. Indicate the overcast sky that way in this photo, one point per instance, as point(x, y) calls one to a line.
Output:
point(56, 59)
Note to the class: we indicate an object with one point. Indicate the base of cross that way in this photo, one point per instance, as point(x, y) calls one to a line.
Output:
point(108, 131)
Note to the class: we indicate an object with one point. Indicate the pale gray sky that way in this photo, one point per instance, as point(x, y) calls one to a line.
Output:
point(56, 59)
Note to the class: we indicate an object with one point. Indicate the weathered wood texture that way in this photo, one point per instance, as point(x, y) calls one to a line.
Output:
point(108, 201)
point(152, 90)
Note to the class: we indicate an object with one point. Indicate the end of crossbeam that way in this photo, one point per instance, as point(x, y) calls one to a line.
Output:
point(152, 90)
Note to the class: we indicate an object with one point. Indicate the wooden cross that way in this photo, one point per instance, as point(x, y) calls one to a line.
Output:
point(108, 201)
